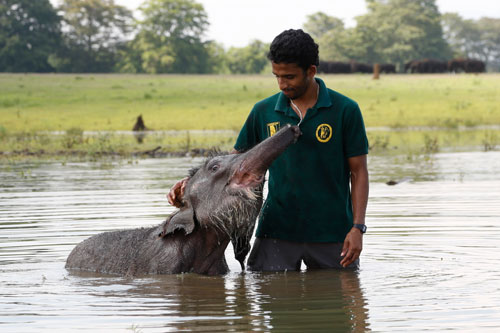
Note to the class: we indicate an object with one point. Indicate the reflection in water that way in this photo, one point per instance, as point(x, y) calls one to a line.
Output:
point(429, 259)
point(329, 300)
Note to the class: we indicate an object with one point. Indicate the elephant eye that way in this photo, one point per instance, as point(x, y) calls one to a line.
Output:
point(214, 168)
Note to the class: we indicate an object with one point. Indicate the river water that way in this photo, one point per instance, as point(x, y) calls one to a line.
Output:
point(430, 258)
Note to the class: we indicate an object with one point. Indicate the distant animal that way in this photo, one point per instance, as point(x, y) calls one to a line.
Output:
point(387, 68)
point(426, 66)
point(221, 202)
point(358, 67)
point(334, 67)
point(139, 125)
point(458, 65)
point(139, 128)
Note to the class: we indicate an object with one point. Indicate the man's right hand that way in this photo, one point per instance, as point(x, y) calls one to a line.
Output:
point(176, 193)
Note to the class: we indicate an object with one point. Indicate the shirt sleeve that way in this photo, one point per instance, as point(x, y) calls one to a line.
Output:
point(354, 132)
point(248, 136)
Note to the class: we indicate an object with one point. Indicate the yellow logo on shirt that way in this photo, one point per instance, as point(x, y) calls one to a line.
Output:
point(272, 128)
point(324, 133)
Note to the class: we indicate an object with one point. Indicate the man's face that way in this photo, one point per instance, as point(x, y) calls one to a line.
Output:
point(293, 81)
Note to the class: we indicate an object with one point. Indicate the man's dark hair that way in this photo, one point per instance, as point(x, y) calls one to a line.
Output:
point(294, 47)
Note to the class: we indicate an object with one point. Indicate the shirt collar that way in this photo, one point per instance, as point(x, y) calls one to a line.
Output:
point(283, 103)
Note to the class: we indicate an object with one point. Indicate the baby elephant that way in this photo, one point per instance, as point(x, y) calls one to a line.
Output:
point(222, 200)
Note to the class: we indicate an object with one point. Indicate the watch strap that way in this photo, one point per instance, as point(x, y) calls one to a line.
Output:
point(361, 227)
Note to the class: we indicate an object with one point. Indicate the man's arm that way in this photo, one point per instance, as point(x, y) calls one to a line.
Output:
point(353, 243)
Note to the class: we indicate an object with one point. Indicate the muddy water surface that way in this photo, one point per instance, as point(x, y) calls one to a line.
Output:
point(430, 259)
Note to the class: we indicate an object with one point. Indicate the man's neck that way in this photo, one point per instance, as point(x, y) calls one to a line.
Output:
point(308, 99)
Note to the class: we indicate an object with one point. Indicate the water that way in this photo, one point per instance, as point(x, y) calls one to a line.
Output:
point(430, 258)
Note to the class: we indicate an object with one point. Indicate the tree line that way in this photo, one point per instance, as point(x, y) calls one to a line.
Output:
point(100, 36)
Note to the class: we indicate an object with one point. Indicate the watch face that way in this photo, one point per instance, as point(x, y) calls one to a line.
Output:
point(361, 227)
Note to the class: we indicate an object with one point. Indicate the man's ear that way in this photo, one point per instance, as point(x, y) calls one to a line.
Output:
point(181, 220)
point(312, 70)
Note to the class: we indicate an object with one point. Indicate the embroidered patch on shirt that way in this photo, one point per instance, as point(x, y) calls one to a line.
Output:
point(324, 133)
point(272, 128)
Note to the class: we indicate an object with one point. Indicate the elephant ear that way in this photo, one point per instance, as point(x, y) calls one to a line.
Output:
point(181, 220)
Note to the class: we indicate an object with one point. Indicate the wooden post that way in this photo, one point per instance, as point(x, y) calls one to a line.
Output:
point(376, 71)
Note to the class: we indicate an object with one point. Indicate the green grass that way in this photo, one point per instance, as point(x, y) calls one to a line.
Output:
point(114, 144)
point(32, 105)
point(112, 102)
point(446, 101)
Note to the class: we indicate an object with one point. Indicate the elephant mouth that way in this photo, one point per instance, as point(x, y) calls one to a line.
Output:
point(249, 187)
point(247, 182)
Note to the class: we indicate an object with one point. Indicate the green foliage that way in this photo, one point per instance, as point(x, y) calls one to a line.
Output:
point(217, 58)
point(73, 136)
point(490, 38)
point(29, 34)
point(431, 144)
point(3, 132)
point(479, 39)
point(94, 32)
point(490, 140)
point(332, 37)
point(248, 60)
point(318, 24)
point(463, 36)
point(393, 31)
point(401, 30)
point(101, 36)
point(169, 39)
point(345, 45)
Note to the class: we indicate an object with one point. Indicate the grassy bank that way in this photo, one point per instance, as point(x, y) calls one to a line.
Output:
point(32, 106)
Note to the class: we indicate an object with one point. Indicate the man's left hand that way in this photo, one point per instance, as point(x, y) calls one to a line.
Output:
point(353, 244)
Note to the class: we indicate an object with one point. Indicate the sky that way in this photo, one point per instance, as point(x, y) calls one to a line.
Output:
point(238, 22)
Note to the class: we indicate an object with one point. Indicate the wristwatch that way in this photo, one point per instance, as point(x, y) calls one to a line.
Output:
point(361, 227)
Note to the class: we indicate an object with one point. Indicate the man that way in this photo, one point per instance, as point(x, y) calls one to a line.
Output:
point(311, 213)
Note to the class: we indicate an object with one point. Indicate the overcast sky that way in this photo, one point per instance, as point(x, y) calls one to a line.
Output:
point(237, 22)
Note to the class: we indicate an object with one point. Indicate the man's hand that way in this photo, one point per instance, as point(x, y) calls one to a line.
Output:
point(176, 193)
point(353, 244)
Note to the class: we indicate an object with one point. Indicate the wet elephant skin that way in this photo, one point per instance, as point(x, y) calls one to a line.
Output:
point(222, 200)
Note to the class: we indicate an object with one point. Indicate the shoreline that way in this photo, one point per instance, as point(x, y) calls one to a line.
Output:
point(80, 145)
point(160, 152)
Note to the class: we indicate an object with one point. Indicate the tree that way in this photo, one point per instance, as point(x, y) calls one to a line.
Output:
point(330, 34)
point(489, 29)
point(250, 59)
point(479, 39)
point(462, 35)
point(217, 58)
point(94, 30)
point(346, 45)
point(318, 24)
point(170, 37)
point(397, 31)
point(29, 33)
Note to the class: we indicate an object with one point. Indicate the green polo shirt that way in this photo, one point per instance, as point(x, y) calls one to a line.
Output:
point(309, 198)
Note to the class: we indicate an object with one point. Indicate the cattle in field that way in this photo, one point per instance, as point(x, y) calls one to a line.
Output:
point(426, 66)
point(387, 68)
point(339, 67)
point(458, 65)
point(334, 67)
point(358, 67)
